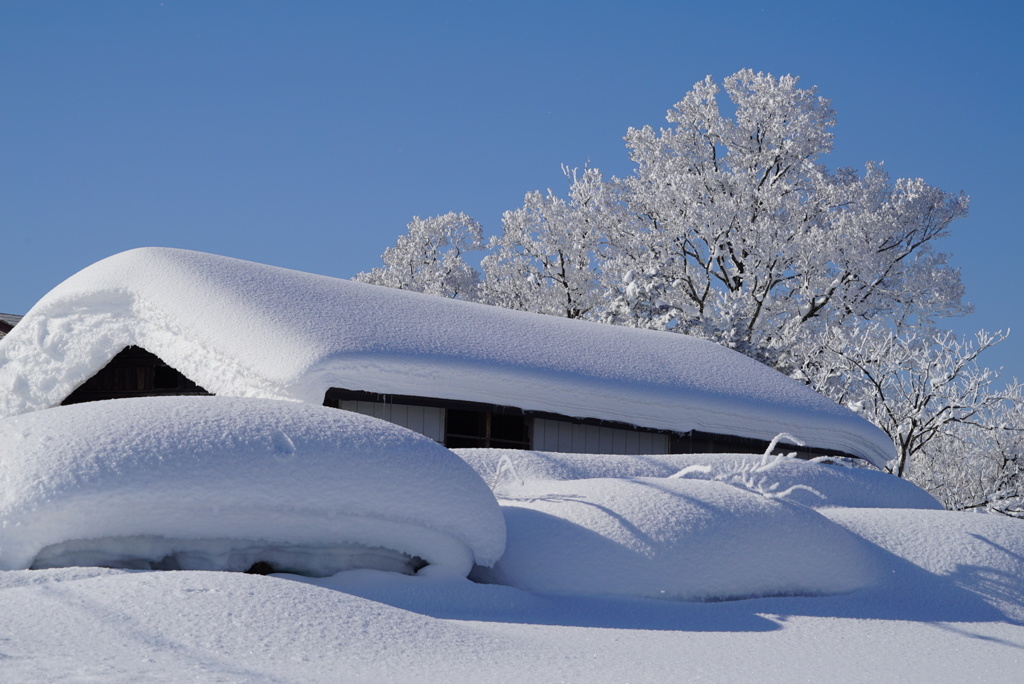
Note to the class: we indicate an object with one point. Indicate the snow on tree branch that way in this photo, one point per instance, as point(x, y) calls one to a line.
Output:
point(429, 258)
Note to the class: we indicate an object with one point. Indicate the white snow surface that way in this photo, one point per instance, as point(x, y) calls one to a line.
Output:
point(219, 483)
point(925, 595)
point(978, 551)
point(869, 584)
point(673, 539)
point(917, 625)
point(245, 329)
point(813, 484)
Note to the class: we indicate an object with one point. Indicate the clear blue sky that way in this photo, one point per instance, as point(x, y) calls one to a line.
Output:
point(307, 134)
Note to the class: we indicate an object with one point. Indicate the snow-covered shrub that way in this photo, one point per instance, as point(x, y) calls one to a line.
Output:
point(753, 475)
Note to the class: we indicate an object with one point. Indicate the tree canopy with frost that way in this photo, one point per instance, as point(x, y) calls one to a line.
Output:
point(545, 259)
point(744, 237)
point(732, 229)
point(429, 258)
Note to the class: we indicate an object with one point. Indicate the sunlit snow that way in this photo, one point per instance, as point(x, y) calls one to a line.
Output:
point(222, 483)
point(817, 484)
point(847, 592)
point(673, 539)
point(389, 553)
point(244, 329)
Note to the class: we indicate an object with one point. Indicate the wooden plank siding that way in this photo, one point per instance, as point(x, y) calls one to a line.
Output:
point(552, 432)
point(560, 435)
point(426, 420)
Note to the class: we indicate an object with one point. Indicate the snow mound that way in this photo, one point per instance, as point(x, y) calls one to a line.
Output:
point(832, 485)
point(978, 552)
point(675, 539)
point(225, 483)
point(243, 329)
point(943, 542)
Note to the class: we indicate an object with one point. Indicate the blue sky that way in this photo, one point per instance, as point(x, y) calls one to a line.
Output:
point(307, 134)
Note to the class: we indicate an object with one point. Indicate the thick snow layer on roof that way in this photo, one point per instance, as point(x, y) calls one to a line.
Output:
point(246, 329)
point(673, 539)
point(224, 482)
point(810, 483)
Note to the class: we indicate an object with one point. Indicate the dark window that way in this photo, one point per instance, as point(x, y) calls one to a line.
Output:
point(165, 377)
point(465, 428)
point(509, 431)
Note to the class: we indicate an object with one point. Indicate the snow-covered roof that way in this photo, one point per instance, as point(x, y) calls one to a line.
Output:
point(245, 329)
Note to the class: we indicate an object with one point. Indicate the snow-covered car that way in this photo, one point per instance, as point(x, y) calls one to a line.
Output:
point(228, 483)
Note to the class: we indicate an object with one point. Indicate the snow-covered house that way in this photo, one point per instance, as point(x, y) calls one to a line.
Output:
point(168, 321)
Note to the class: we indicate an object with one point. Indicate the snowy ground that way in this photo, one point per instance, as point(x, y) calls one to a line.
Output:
point(851, 576)
point(949, 609)
point(91, 624)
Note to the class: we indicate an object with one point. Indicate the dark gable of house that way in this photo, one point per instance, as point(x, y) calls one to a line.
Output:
point(134, 372)
point(7, 323)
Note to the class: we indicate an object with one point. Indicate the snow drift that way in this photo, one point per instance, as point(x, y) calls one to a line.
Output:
point(224, 483)
point(817, 484)
point(943, 542)
point(244, 329)
point(673, 539)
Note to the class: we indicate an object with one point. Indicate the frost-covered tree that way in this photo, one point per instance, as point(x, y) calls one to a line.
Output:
point(545, 260)
point(979, 465)
point(429, 258)
point(739, 234)
point(923, 386)
point(732, 228)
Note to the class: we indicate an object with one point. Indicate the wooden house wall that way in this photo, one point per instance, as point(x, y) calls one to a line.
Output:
point(544, 431)
point(426, 420)
point(451, 423)
point(581, 438)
